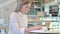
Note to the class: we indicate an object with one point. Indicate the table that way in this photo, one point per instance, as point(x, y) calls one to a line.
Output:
point(44, 32)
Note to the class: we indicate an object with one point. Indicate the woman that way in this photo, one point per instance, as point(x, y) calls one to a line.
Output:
point(19, 20)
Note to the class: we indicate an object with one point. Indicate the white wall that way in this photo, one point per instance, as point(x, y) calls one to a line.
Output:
point(6, 11)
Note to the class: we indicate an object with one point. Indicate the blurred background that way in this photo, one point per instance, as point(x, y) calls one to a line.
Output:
point(42, 12)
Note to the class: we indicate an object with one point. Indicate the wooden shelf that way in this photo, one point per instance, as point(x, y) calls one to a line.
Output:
point(47, 1)
point(34, 20)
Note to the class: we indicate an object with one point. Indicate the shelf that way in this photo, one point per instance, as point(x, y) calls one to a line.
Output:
point(34, 20)
point(36, 6)
point(48, 1)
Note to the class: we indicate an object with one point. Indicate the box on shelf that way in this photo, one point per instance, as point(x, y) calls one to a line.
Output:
point(40, 14)
point(47, 1)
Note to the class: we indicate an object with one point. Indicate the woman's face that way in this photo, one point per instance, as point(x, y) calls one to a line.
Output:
point(25, 8)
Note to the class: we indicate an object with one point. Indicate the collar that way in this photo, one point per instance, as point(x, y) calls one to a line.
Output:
point(20, 13)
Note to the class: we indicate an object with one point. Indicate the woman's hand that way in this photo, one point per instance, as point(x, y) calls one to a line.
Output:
point(37, 27)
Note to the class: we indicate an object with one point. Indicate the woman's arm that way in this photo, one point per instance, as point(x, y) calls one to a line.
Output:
point(37, 27)
point(15, 27)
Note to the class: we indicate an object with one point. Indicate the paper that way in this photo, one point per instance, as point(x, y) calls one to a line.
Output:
point(42, 30)
point(37, 31)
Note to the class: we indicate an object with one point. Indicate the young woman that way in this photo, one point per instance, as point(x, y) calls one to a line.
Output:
point(19, 20)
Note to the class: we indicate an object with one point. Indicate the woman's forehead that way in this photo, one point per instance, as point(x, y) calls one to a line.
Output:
point(28, 4)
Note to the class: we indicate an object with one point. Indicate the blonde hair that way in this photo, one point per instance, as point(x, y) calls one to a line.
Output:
point(20, 4)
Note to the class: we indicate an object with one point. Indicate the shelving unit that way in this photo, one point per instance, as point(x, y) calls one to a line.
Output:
point(35, 7)
point(37, 10)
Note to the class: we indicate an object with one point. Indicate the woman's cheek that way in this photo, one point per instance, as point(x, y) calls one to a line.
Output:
point(28, 9)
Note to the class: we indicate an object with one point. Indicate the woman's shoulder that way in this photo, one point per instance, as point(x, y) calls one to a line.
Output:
point(14, 14)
